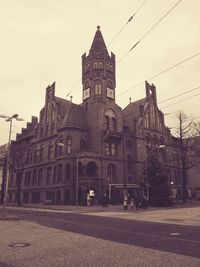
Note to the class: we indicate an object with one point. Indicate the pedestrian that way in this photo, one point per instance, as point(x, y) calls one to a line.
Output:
point(136, 202)
point(125, 203)
point(132, 203)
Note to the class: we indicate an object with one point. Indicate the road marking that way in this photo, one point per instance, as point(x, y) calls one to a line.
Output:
point(174, 234)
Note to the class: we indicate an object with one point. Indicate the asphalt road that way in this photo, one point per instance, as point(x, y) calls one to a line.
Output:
point(179, 239)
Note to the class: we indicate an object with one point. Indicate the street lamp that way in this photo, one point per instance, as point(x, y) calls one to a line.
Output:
point(77, 182)
point(5, 189)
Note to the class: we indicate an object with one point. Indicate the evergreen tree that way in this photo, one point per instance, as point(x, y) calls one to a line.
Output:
point(159, 187)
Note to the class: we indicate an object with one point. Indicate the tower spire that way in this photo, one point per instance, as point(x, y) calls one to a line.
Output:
point(98, 45)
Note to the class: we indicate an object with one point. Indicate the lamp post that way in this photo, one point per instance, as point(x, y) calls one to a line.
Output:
point(76, 179)
point(5, 189)
point(77, 182)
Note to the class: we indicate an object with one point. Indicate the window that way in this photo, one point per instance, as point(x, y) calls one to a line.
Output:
point(113, 124)
point(129, 164)
point(113, 149)
point(107, 148)
point(67, 172)
point(69, 144)
point(98, 88)
point(82, 144)
point(40, 177)
point(50, 151)
point(60, 147)
point(91, 169)
point(106, 122)
point(55, 175)
point(100, 65)
point(111, 173)
point(52, 127)
point(41, 152)
point(34, 180)
point(110, 149)
point(49, 173)
point(59, 178)
point(95, 65)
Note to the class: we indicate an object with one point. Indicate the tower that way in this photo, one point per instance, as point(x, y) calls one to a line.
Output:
point(98, 72)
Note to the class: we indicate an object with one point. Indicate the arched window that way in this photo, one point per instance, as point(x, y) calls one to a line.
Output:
point(100, 65)
point(34, 178)
point(107, 122)
point(59, 177)
point(41, 152)
point(49, 173)
point(69, 144)
point(107, 148)
point(111, 173)
point(40, 177)
point(82, 144)
point(95, 65)
point(50, 151)
point(155, 141)
point(110, 120)
point(91, 169)
point(67, 171)
point(113, 149)
point(113, 124)
point(60, 147)
point(55, 175)
point(129, 164)
point(98, 88)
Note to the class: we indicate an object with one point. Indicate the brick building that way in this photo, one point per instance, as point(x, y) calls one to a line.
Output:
point(96, 145)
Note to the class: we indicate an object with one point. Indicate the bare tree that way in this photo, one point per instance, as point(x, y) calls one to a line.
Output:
point(185, 133)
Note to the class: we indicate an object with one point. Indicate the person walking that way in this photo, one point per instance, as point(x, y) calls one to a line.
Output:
point(136, 202)
point(132, 203)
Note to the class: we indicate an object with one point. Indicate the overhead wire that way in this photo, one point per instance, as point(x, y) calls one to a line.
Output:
point(160, 73)
point(180, 101)
point(184, 93)
point(118, 33)
point(149, 31)
point(128, 21)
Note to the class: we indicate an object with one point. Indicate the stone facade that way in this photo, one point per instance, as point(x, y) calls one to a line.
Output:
point(95, 146)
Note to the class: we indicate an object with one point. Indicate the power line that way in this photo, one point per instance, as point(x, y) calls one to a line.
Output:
point(180, 101)
point(75, 85)
point(177, 110)
point(128, 21)
point(184, 93)
point(150, 30)
point(160, 73)
point(176, 125)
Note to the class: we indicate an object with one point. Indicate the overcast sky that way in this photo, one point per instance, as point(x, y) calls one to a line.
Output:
point(42, 41)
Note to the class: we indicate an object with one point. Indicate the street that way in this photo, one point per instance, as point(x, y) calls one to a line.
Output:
point(82, 239)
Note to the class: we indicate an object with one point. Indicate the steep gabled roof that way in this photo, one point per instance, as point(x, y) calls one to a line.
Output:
point(133, 109)
point(75, 117)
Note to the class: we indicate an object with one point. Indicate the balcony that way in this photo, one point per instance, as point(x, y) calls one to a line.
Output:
point(113, 135)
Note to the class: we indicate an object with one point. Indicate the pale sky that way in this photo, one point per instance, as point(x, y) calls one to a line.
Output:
point(42, 41)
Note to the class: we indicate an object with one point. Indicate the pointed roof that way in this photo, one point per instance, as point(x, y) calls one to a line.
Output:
point(98, 45)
